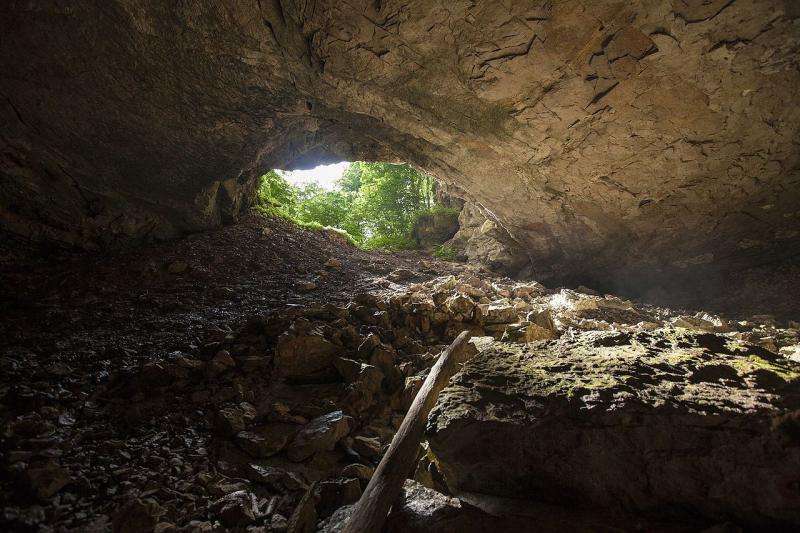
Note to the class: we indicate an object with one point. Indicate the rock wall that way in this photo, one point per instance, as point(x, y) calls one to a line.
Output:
point(485, 242)
point(613, 140)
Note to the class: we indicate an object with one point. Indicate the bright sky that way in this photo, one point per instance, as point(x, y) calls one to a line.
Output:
point(324, 175)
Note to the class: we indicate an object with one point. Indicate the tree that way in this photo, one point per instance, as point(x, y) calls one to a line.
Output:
point(388, 198)
point(275, 194)
point(376, 203)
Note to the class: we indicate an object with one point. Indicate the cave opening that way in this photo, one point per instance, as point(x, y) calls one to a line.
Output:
point(376, 205)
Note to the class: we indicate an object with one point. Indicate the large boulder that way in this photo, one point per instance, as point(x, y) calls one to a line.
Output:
point(667, 423)
point(320, 434)
point(435, 227)
point(304, 355)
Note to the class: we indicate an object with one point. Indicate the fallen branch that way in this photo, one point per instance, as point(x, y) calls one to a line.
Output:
point(384, 487)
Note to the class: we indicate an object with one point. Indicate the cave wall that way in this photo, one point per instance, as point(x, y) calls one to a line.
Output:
point(610, 139)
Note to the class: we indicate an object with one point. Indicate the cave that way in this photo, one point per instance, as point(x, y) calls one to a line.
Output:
point(626, 178)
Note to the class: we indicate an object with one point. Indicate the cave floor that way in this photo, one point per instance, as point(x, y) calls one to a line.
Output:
point(134, 385)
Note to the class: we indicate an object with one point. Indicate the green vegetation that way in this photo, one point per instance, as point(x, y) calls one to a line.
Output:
point(376, 204)
point(445, 252)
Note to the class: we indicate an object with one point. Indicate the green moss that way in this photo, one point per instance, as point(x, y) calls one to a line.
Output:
point(736, 346)
point(754, 362)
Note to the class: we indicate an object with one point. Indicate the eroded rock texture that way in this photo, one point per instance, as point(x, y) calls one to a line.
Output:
point(646, 135)
point(669, 423)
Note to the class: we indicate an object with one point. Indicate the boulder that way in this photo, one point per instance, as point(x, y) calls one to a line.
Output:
point(333, 264)
point(363, 473)
point(47, 479)
point(236, 509)
point(356, 372)
point(367, 345)
point(498, 313)
point(267, 440)
point(535, 332)
point(304, 517)
point(435, 227)
point(460, 304)
point(400, 274)
point(136, 515)
point(614, 417)
point(367, 447)
point(330, 495)
point(276, 477)
point(302, 355)
point(229, 420)
point(320, 434)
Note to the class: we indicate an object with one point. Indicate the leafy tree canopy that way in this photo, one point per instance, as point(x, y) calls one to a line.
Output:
point(376, 203)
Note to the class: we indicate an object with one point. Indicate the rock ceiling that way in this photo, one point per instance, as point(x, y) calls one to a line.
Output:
point(607, 137)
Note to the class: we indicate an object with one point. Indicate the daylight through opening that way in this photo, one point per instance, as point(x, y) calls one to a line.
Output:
point(378, 205)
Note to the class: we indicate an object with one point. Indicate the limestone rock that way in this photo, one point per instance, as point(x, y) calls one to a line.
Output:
point(358, 471)
point(460, 304)
point(320, 434)
point(236, 509)
point(422, 509)
point(304, 354)
point(333, 264)
point(276, 477)
point(535, 332)
point(306, 286)
point(667, 421)
point(47, 479)
point(413, 385)
point(266, 440)
point(481, 241)
point(304, 517)
point(435, 227)
point(367, 345)
point(498, 313)
point(136, 515)
point(400, 274)
point(330, 495)
point(367, 447)
point(230, 420)
point(221, 362)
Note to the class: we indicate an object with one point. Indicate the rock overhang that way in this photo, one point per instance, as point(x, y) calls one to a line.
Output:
point(623, 142)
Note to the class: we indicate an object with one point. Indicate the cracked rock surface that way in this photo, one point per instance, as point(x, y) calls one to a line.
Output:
point(652, 137)
point(669, 422)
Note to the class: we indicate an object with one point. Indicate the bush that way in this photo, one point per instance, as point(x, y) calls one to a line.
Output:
point(390, 242)
point(445, 252)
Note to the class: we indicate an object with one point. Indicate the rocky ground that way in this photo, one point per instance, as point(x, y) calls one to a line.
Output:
point(251, 378)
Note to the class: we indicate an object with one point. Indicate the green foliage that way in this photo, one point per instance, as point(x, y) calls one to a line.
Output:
point(375, 204)
point(276, 196)
point(445, 252)
point(316, 226)
point(390, 242)
point(387, 200)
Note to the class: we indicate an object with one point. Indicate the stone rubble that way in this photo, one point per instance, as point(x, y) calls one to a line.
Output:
point(301, 404)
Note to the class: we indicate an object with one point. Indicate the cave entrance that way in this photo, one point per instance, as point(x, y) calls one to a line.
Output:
point(377, 204)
